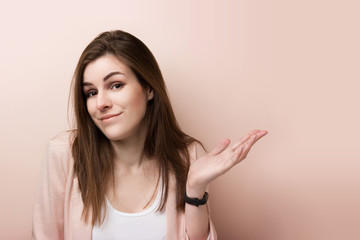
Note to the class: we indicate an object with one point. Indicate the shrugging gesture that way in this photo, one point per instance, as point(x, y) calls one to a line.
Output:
point(207, 168)
point(220, 160)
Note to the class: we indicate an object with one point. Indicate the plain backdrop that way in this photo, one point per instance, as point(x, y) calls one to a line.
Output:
point(290, 67)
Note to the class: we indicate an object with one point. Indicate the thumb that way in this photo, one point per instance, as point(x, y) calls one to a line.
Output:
point(220, 147)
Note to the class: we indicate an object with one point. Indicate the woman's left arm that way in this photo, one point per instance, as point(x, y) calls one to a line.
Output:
point(207, 168)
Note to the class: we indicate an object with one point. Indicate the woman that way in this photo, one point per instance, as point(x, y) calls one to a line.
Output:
point(127, 171)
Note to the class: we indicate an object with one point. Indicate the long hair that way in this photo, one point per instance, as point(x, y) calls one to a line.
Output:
point(93, 153)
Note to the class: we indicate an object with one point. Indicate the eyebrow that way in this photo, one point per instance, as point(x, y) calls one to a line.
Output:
point(105, 78)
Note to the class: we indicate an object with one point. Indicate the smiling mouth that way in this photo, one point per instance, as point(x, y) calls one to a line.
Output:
point(109, 117)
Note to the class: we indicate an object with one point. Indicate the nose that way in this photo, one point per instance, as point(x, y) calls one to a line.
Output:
point(103, 101)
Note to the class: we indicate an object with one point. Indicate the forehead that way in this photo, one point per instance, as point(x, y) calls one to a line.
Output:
point(103, 65)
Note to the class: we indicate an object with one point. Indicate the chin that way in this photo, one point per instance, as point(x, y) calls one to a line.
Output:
point(117, 134)
point(114, 136)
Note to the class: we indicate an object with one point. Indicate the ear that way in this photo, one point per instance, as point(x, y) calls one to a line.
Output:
point(150, 94)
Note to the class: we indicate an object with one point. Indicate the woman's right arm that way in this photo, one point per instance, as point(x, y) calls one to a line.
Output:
point(48, 210)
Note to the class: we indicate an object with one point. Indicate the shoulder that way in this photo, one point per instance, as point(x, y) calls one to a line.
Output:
point(196, 150)
point(62, 139)
point(59, 151)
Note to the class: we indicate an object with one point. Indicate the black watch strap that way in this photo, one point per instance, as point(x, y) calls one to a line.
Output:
point(195, 201)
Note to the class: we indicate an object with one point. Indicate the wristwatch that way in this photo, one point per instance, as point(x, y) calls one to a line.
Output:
point(195, 201)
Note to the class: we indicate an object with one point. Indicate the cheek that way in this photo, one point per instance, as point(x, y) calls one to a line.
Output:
point(139, 101)
point(90, 107)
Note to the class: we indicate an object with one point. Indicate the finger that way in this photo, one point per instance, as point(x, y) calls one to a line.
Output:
point(260, 134)
point(244, 139)
point(220, 147)
point(243, 150)
point(238, 153)
point(247, 147)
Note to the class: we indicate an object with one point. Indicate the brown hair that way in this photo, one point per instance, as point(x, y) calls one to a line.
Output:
point(93, 153)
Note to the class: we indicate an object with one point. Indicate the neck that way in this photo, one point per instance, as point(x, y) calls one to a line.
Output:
point(129, 152)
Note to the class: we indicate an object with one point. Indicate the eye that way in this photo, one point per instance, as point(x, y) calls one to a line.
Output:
point(117, 85)
point(91, 93)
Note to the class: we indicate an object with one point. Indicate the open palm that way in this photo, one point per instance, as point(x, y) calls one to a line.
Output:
point(221, 159)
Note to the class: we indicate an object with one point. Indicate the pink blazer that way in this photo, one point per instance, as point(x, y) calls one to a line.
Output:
point(58, 205)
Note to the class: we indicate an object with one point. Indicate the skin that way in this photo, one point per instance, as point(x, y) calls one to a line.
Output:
point(206, 169)
point(120, 93)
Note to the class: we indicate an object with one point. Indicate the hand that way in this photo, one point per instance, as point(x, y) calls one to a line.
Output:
point(220, 160)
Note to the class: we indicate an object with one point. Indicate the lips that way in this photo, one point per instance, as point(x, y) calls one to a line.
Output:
point(108, 117)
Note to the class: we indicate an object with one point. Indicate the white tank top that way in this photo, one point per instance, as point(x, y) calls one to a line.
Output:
point(146, 225)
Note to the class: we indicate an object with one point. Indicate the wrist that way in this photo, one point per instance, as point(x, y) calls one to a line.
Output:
point(195, 191)
point(196, 201)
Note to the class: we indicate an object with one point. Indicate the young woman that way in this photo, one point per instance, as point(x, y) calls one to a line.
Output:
point(127, 171)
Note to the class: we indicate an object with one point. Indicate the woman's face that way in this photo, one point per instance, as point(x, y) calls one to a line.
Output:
point(115, 101)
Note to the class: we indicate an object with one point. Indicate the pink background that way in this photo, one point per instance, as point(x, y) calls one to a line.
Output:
point(290, 67)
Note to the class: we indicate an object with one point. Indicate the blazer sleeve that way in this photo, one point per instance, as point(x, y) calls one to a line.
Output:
point(48, 209)
point(196, 151)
